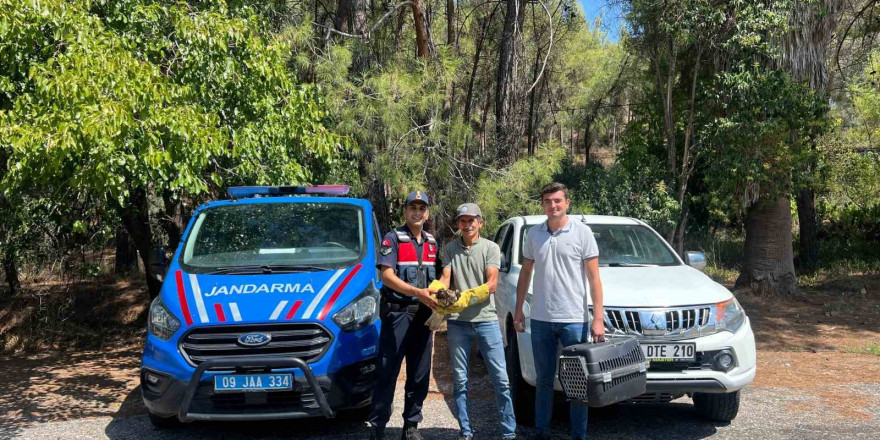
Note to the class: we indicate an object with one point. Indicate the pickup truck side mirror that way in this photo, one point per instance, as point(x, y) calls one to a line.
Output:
point(694, 259)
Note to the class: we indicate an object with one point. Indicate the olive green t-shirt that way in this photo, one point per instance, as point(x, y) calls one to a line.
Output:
point(469, 271)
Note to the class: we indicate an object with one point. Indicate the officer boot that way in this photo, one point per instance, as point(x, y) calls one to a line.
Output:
point(410, 432)
point(377, 432)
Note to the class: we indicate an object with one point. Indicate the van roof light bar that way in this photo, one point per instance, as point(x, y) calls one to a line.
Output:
point(239, 192)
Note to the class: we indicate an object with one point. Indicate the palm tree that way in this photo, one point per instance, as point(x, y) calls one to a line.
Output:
point(769, 264)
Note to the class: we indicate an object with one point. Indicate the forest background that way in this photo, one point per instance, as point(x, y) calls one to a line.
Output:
point(743, 129)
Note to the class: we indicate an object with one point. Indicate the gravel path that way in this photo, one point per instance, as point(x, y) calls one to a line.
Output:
point(766, 413)
point(95, 396)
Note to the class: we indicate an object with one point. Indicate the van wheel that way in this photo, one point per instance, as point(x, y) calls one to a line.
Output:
point(717, 407)
point(164, 422)
point(522, 393)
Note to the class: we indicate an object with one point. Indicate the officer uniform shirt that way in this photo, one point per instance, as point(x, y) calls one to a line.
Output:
point(388, 251)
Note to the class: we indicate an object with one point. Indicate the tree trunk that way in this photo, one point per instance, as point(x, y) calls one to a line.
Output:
point(401, 18)
point(811, 28)
point(379, 200)
point(450, 22)
point(530, 132)
point(342, 20)
point(477, 51)
point(769, 265)
point(9, 266)
point(686, 167)
point(359, 20)
point(681, 230)
point(666, 98)
point(126, 253)
point(668, 112)
point(135, 217)
point(484, 118)
point(419, 20)
point(506, 136)
point(809, 240)
point(168, 220)
point(470, 92)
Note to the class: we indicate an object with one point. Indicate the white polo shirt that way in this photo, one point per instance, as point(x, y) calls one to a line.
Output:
point(559, 287)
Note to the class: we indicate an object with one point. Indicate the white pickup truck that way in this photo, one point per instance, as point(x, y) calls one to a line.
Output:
point(692, 330)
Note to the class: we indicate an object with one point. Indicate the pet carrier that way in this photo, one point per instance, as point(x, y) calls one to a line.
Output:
point(600, 374)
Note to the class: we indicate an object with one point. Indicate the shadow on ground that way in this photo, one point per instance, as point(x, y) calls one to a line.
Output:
point(840, 315)
point(57, 387)
point(675, 421)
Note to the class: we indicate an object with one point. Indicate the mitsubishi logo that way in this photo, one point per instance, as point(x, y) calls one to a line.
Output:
point(653, 323)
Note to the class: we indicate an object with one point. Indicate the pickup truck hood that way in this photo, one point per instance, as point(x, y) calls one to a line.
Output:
point(239, 299)
point(659, 286)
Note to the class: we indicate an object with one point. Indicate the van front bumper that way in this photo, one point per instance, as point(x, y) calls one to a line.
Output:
point(312, 396)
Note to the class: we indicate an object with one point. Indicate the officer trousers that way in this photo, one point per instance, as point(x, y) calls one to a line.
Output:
point(403, 335)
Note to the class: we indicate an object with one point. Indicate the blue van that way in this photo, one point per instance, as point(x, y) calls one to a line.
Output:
point(269, 309)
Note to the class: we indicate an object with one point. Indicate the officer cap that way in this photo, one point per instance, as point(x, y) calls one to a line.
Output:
point(417, 196)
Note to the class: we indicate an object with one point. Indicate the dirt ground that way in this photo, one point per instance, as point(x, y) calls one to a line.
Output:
point(819, 340)
point(821, 345)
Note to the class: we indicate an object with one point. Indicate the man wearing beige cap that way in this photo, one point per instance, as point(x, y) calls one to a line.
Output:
point(470, 262)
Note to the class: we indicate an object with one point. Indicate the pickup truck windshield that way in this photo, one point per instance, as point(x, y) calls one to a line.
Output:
point(275, 237)
point(626, 245)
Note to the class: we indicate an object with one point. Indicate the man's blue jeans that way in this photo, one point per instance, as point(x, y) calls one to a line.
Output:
point(488, 335)
point(545, 336)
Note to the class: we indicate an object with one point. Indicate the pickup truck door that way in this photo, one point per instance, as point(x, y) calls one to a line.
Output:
point(505, 295)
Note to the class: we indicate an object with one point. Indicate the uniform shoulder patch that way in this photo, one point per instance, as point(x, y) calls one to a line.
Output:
point(386, 247)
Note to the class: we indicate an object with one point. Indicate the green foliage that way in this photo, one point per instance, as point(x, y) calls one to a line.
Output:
point(760, 134)
point(625, 192)
point(507, 193)
point(173, 99)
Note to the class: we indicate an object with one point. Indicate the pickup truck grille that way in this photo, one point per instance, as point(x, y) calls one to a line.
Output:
point(307, 341)
point(661, 323)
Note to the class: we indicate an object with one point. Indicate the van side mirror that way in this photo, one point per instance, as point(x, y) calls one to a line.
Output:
point(694, 259)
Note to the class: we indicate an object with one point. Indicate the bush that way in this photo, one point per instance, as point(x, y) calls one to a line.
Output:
point(619, 191)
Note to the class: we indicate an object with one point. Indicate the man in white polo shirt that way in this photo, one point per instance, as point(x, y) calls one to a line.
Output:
point(564, 257)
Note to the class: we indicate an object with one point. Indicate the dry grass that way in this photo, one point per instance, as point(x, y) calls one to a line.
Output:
point(57, 316)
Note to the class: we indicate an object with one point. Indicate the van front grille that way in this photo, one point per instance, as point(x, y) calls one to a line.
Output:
point(306, 341)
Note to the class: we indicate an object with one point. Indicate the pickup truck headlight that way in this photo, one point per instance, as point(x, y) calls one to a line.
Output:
point(362, 311)
point(162, 323)
point(729, 315)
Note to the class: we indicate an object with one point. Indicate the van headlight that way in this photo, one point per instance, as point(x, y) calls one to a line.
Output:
point(729, 315)
point(162, 323)
point(362, 311)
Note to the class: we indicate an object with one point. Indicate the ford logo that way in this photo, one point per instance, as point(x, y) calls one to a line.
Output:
point(254, 339)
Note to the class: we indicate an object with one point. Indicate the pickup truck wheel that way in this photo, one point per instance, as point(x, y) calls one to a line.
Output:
point(717, 407)
point(164, 422)
point(522, 393)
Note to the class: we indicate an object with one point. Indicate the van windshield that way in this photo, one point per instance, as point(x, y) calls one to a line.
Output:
point(275, 237)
